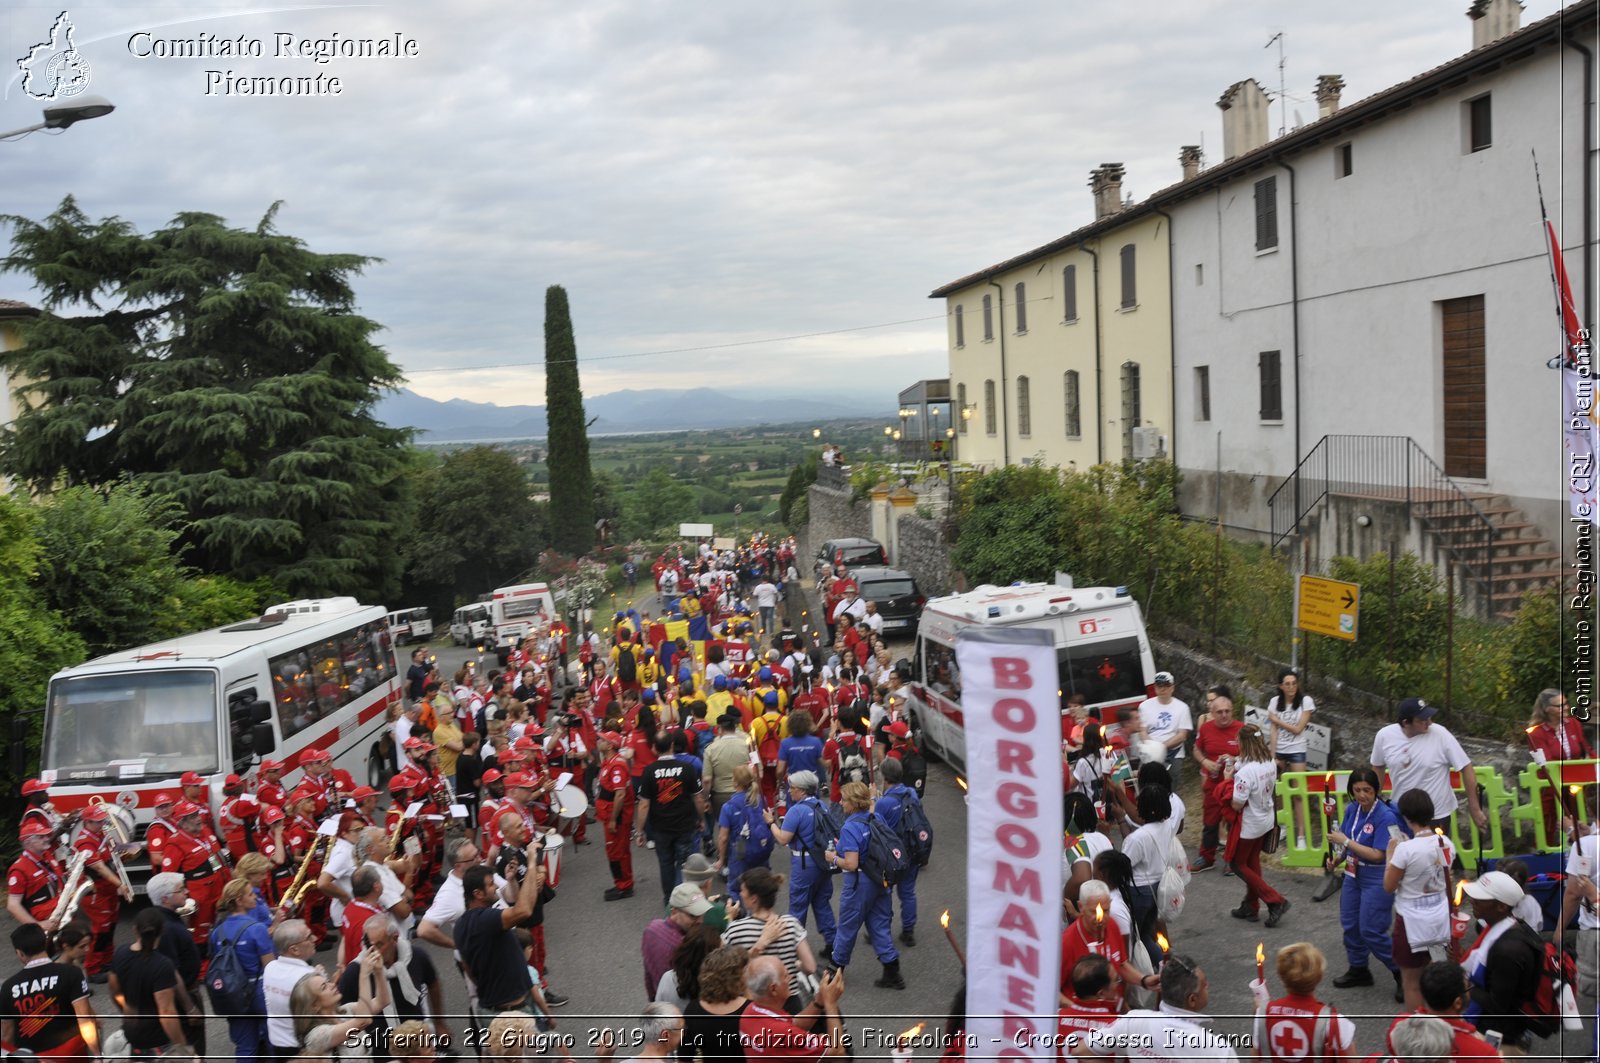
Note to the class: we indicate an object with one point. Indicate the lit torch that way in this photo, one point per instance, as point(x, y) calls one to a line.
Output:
point(1100, 921)
point(901, 1050)
point(944, 921)
point(1166, 947)
point(1261, 963)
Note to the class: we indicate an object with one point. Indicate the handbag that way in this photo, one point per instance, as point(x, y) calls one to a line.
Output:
point(1136, 995)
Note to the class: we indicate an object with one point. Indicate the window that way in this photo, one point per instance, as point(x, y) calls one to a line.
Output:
point(1202, 393)
point(1271, 363)
point(1022, 308)
point(1199, 274)
point(988, 405)
point(1069, 293)
point(1024, 412)
point(988, 318)
point(961, 328)
point(961, 413)
point(1069, 387)
point(1130, 407)
point(316, 681)
point(1479, 132)
point(1266, 214)
point(1130, 297)
point(1344, 160)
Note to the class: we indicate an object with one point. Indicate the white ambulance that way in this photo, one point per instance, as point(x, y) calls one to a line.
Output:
point(517, 611)
point(1102, 651)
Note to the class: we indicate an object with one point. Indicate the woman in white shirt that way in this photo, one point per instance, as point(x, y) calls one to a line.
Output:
point(1418, 874)
point(1147, 849)
point(1255, 778)
point(1289, 712)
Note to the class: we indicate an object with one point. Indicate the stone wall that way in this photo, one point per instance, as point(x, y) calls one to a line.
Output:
point(920, 548)
point(925, 554)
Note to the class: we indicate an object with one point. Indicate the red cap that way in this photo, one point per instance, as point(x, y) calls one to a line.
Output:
point(270, 815)
point(232, 782)
point(533, 730)
point(492, 775)
point(186, 809)
point(301, 793)
point(399, 783)
point(32, 827)
point(95, 813)
point(411, 743)
point(522, 779)
point(523, 743)
point(35, 786)
point(313, 755)
point(361, 793)
point(900, 729)
point(270, 765)
point(165, 797)
point(614, 737)
point(425, 747)
point(192, 778)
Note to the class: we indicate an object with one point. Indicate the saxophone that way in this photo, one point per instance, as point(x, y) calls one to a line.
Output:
point(298, 886)
point(72, 891)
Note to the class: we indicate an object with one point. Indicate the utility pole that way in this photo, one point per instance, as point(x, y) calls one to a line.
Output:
point(1283, 93)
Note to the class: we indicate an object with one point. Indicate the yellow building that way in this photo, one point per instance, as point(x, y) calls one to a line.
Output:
point(11, 312)
point(1063, 354)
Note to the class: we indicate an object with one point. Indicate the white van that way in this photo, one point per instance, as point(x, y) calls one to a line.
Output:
point(514, 612)
point(410, 625)
point(469, 626)
point(1102, 651)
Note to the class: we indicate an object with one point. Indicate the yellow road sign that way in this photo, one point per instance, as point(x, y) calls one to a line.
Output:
point(1329, 607)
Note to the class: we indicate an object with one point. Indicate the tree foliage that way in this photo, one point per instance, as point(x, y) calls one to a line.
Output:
point(657, 503)
point(107, 565)
point(227, 369)
point(801, 477)
point(572, 512)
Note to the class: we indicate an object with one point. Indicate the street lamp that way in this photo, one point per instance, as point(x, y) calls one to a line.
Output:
point(62, 115)
point(905, 415)
point(950, 463)
point(933, 415)
point(816, 433)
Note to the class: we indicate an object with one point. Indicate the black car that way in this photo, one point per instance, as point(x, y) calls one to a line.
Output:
point(851, 553)
point(896, 595)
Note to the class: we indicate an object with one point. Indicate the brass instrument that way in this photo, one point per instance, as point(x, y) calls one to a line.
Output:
point(122, 842)
point(72, 891)
point(399, 829)
point(297, 887)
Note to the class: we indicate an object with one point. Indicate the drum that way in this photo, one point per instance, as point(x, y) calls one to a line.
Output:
point(570, 801)
point(553, 844)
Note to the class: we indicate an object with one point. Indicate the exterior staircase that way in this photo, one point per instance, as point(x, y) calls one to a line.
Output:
point(1520, 557)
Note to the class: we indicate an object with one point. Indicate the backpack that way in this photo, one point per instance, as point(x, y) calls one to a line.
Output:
point(826, 823)
point(1558, 974)
point(627, 666)
point(914, 770)
point(885, 858)
point(915, 830)
point(769, 742)
point(853, 765)
point(1174, 881)
point(755, 838)
point(232, 990)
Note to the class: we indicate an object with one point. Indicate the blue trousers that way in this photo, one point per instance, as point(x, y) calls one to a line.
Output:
point(869, 903)
point(738, 866)
point(1144, 917)
point(906, 890)
point(249, 1036)
point(811, 890)
point(671, 851)
point(1366, 910)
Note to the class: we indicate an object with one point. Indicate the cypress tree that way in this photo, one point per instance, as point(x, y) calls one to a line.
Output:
point(571, 481)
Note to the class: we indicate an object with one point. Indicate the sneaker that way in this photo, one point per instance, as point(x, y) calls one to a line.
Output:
point(1276, 912)
point(1244, 913)
point(1205, 863)
point(1229, 872)
point(554, 999)
point(650, 845)
point(1399, 989)
point(614, 894)
point(1355, 976)
point(908, 937)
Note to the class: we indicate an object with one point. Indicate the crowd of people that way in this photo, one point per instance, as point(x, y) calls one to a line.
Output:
point(759, 765)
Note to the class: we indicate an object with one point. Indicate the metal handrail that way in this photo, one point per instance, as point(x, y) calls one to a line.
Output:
point(1392, 468)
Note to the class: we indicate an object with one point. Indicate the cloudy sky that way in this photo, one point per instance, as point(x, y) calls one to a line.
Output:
point(756, 194)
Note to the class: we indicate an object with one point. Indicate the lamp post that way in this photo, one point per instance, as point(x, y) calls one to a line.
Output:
point(905, 415)
point(816, 433)
point(888, 438)
point(933, 416)
point(950, 458)
point(62, 115)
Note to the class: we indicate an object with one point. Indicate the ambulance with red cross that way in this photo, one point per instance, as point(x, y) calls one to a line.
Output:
point(1102, 652)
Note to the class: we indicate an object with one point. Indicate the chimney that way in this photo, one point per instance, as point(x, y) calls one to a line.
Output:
point(1493, 19)
point(1244, 118)
point(1189, 159)
point(1105, 181)
point(1329, 86)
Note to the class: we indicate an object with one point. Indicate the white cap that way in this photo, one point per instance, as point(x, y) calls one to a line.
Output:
point(1495, 886)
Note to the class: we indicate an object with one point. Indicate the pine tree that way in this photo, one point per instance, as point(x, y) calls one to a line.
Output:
point(225, 368)
point(571, 481)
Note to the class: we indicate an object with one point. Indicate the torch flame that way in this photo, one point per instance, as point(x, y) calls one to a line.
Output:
point(1161, 939)
point(1531, 729)
point(961, 783)
point(944, 919)
point(914, 1030)
point(1460, 886)
point(1099, 913)
point(1439, 831)
point(1261, 953)
point(1573, 790)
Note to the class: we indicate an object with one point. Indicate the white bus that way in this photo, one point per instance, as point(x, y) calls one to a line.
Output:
point(128, 724)
point(410, 625)
point(516, 611)
point(469, 625)
point(1102, 652)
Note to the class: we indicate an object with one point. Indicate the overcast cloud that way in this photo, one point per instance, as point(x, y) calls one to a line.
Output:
point(694, 174)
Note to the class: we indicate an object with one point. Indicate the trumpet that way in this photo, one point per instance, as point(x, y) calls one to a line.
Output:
point(72, 891)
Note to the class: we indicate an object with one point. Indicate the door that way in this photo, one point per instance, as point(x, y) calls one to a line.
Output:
point(1465, 429)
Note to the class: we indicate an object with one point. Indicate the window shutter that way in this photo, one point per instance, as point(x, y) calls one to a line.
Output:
point(1069, 293)
point(1021, 310)
point(1266, 213)
point(1130, 297)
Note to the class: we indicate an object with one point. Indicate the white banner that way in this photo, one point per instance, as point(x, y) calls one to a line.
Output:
point(1579, 411)
point(1013, 729)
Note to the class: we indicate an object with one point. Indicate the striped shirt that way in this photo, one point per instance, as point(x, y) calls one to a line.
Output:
point(746, 931)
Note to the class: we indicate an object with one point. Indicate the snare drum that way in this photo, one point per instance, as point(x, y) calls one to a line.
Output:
point(553, 844)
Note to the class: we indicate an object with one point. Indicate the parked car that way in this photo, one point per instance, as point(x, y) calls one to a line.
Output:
point(895, 593)
point(851, 553)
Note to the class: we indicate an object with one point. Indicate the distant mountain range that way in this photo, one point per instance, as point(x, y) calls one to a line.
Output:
point(656, 410)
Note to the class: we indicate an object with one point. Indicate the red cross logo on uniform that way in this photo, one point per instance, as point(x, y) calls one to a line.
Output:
point(1288, 1041)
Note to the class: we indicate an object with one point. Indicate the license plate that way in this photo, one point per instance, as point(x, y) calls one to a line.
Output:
point(895, 625)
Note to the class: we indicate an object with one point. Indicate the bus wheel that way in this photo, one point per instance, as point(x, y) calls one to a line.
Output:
point(377, 769)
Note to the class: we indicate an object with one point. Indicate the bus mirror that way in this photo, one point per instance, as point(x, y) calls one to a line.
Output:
point(261, 740)
point(260, 711)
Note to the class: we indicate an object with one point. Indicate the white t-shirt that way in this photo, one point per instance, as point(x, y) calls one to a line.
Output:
point(1422, 762)
point(1292, 743)
point(1584, 861)
point(278, 980)
point(1254, 781)
point(1092, 845)
point(1169, 1034)
point(1147, 848)
point(766, 595)
point(340, 866)
point(1163, 722)
point(873, 621)
point(1424, 866)
point(1121, 915)
point(402, 730)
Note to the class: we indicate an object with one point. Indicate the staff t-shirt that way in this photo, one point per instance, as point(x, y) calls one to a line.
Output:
point(40, 999)
point(670, 785)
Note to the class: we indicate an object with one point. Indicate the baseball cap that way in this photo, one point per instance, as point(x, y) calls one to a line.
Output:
point(719, 683)
point(520, 779)
point(302, 792)
point(1163, 679)
point(314, 755)
point(164, 798)
point(270, 815)
point(95, 813)
point(614, 737)
point(31, 828)
point(34, 786)
point(1414, 709)
point(770, 699)
point(687, 897)
point(524, 742)
point(765, 673)
point(270, 765)
point(647, 695)
point(900, 729)
point(192, 778)
point(186, 809)
point(493, 775)
point(1495, 886)
point(411, 743)
point(232, 780)
point(396, 784)
point(361, 793)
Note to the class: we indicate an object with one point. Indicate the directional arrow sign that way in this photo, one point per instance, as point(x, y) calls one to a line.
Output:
point(1329, 607)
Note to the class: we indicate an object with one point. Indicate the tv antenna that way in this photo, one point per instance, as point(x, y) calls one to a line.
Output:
point(1283, 94)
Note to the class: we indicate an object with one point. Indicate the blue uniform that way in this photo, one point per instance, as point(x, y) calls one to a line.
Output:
point(863, 901)
point(740, 823)
point(1365, 907)
point(888, 809)
point(810, 883)
point(801, 754)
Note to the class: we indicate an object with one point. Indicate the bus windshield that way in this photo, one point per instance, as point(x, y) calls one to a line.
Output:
point(518, 608)
point(1102, 671)
point(132, 725)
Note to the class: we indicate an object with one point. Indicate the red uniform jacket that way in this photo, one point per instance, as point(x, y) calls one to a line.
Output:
point(37, 881)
